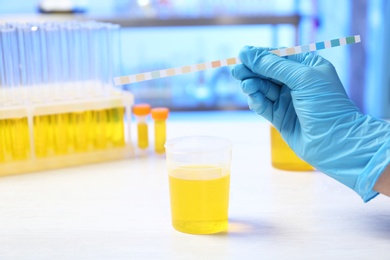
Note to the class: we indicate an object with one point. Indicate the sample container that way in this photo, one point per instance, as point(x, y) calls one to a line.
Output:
point(199, 181)
point(160, 115)
point(141, 112)
point(283, 157)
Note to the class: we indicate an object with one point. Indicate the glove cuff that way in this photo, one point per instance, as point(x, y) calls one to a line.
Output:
point(367, 179)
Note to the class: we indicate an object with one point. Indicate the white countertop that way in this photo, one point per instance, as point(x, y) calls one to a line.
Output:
point(120, 210)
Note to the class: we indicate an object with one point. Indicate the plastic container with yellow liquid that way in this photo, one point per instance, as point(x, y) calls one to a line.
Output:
point(283, 157)
point(199, 181)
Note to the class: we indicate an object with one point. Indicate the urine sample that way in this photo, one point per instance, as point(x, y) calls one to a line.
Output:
point(15, 141)
point(141, 112)
point(41, 136)
point(160, 115)
point(199, 183)
point(100, 129)
point(83, 134)
point(117, 126)
point(283, 157)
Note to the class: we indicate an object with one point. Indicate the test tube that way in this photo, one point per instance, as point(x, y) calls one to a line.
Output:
point(10, 64)
point(159, 115)
point(113, 52)
point(16, 134)
point(116, 121)
point(141, 112)
point(33, 59)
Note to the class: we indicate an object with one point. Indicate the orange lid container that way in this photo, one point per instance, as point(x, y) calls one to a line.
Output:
point(141, 109)
point(160, 113)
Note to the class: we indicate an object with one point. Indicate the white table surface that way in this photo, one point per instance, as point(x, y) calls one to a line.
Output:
point(120, 210)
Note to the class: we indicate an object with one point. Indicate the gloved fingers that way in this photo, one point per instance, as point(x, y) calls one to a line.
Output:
point(308, 59)
point(271, 66)
point(241, 72)
point(284, 111)
point(269, 89)
point(259, 104)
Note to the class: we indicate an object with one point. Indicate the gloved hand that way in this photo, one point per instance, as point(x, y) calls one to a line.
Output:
point(302, 96)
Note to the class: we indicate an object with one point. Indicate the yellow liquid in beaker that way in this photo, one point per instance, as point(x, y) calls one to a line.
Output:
point(283, 157)
point(199, 206)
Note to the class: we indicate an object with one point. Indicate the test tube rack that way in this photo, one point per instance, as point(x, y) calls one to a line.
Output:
point(58, 105)
point(69, 130)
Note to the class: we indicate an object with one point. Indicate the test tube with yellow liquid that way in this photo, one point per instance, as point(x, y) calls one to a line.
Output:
point(117, 126)
point(141, 112)
point(2, 141)
point(283, 157)
point(6, 148)
point(160, 115)
point(15, 139)
point(61, 125)
point(43, 142)
point(100, 128)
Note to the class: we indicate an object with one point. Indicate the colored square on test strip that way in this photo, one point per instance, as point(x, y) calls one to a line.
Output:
point(357, 38)
point(216, 64)
point(305, 48)
point(171, 72)
point(290, 51)
point(320, 45)
point(140, 77)
point(350, 39)
point(231, 61)
point(124, 80)
point(335, 42)
point(186, 69)
point(282, 52)
point(201, 66)
point(155, 74)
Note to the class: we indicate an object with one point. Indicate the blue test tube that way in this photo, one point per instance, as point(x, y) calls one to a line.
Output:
point(113, 52)
point(22, 55)
point(32, 56)
point(53, 63)
point(2, 69)
point(93, 32)
point(10, 61)
point(63, 55)
point(75, 57)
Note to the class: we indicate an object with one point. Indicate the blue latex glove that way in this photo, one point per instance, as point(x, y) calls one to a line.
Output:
point(302, 96)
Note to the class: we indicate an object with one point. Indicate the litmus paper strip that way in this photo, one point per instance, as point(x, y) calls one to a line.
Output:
point(232, 61)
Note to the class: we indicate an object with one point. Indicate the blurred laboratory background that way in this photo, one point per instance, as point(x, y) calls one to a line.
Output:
point(160, 34)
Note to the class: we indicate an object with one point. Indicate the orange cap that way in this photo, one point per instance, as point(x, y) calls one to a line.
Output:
point(160, 113)
point(141, 109)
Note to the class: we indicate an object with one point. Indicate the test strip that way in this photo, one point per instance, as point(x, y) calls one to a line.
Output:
point(232, 61)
